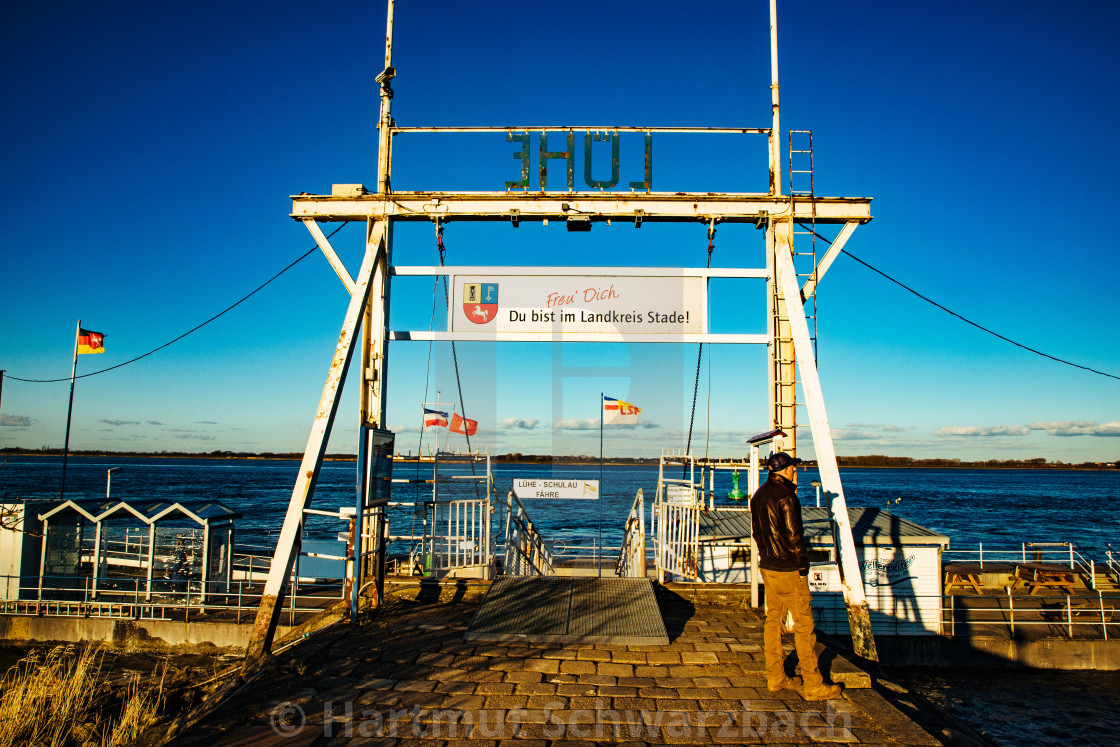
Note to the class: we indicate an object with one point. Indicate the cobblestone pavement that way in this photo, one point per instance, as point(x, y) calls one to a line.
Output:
point(407, 677)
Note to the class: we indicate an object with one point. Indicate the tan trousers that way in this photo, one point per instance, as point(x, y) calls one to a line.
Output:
point(788, 591)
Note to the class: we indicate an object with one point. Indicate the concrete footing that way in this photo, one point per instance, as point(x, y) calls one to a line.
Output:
point(999, 652)
point(131, 634)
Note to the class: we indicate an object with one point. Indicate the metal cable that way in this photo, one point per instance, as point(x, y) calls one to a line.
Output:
point(699, 354)
point(974, 324)
point(193, 329)
point(455, 357)
point(958, 316)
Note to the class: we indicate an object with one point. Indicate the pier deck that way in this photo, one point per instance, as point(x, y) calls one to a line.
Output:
point(408, 677)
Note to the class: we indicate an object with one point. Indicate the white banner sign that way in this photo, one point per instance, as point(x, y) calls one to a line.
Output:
point(679, 495)
point(588, 304)
point(556, 489)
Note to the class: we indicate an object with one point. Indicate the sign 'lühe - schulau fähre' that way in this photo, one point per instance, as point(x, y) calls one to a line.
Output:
point(584, 304)
point(531, 488)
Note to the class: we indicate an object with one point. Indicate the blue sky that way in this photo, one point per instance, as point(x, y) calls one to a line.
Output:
point(150, 151)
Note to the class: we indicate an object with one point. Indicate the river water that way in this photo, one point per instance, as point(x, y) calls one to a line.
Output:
point(1001, 508)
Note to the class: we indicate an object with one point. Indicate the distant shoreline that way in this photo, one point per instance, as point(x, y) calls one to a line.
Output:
point(845, 462)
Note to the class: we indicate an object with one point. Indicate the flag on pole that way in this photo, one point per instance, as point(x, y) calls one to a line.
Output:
point(466, 426)
point(435, 417)
point(90, 342)
point(617, 412)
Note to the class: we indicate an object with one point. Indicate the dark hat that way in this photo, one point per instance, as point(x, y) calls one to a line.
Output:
point(780, 460)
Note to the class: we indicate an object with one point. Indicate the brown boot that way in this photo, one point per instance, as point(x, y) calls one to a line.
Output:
point(823, 692)
point(785, 683)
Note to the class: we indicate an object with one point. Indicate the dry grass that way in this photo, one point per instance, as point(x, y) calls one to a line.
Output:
point(60, 700)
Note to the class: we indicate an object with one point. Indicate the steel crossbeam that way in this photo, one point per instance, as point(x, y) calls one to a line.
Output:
point(651, 207)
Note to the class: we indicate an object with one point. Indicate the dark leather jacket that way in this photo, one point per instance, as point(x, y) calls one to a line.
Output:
point(776, 524)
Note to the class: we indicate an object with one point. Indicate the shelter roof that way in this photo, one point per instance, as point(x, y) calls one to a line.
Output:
point(148, 511)
point(870, 526)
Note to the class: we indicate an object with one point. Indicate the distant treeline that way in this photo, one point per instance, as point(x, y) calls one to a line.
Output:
point(582, 458)
point(879, 460)
point(174, 454)
point(873, 460)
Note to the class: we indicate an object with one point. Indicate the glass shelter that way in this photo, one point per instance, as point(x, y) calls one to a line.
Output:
point(127, 551)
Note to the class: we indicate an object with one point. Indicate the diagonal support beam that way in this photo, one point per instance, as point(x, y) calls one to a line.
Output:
point(859, 620)
point(829, 257)
point(332, 256)
point(287, 546)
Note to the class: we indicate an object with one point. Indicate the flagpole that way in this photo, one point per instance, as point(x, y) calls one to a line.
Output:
point(599, 553)
point(70, 410)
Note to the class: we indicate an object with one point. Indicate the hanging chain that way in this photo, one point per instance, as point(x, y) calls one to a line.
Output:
point(454, 354)
point(700, 352)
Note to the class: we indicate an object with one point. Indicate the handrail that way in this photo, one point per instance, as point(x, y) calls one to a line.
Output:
point(70, 596)
point(632, 557)
point(526, 552)
point(1064, 553)
point(1094, 613)
point(456, 535)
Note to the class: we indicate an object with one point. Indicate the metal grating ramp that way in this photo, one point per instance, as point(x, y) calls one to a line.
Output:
point(555, 609)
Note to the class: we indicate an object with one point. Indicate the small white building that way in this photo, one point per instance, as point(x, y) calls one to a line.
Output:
point(20, 540)
point(900, 561)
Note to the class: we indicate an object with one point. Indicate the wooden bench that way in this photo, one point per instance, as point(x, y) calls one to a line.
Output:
point(962, 575)
point(1040, 576)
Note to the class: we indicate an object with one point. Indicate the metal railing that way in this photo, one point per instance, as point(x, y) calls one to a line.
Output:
point(1088, 614)
point(456, 534)
point(68, 596)
point(526, 551)
point(632, 557)
point(1018, 617)
point(1057, 553)
point(675, 529)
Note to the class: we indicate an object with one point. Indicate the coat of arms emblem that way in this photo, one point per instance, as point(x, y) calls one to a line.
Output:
point(480, 301)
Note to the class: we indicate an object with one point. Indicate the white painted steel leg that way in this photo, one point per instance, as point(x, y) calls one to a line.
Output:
point(829, 257)
point(287, 545)
point(752, 486)
point(332, 257)
point(863, 640)
point(375, 340)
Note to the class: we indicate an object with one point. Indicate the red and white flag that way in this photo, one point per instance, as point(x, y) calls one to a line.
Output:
point(435, 418)
point(466, 426)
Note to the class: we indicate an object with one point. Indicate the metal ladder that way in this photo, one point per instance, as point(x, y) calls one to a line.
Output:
point(801, 184)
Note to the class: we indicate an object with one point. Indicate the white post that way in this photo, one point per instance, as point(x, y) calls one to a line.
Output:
point(1104, 623)
point(96, 557)
point(776, 130)
point(752, 487)
point(43, 554)
point(384, 142)
point(151, 558)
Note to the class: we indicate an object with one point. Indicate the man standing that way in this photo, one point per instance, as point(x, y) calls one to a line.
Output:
point(784, 563)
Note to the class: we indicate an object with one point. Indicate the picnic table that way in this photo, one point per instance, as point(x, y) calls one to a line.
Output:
point(1041, 576)
point(963, 575)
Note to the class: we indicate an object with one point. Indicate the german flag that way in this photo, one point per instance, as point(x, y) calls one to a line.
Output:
point(90, 342)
